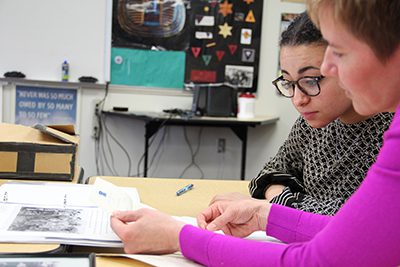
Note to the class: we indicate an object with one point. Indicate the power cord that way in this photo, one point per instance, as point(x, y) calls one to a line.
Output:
point(102, 141)
point(120, 145)
point(150, 144)
point(98, 132)
point(157, 152)
point(194, 153)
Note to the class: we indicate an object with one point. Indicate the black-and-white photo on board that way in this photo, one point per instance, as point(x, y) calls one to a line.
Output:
point(240, 76)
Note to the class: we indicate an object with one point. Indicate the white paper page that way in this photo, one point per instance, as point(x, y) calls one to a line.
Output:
point(44, 194)
point(103, 194)
point(111, 197)
point(56, 225)
point(62, 213)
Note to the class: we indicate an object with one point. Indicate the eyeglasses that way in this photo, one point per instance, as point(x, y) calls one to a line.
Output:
point(309, 85)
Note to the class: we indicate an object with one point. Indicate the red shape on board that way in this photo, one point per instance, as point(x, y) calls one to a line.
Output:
point(196, 51)
point(203, 76)
point(220, 54)
point(232, 48)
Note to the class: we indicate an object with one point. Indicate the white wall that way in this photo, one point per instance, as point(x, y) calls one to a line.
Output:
point(263, 141)
point(38, 35)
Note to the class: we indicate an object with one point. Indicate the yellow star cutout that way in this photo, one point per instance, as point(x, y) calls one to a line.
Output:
point(225, 8)
point(248, 1)
point(225, 30)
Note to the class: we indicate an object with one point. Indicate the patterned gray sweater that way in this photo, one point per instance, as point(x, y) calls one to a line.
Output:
point(322, 167)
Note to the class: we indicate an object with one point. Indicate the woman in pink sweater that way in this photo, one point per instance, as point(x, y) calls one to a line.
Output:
point(364, 53)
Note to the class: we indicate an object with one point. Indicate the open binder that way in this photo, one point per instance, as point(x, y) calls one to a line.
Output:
point(71, 214)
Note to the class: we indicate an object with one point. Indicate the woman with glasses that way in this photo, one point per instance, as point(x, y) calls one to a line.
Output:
point(363, 53)
point(330, 146)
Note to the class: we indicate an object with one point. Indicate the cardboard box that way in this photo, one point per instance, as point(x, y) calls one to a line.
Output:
point(39, 152)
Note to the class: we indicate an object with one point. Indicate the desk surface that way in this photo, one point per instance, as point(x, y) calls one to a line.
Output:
point(160, 193)
point(29, 248)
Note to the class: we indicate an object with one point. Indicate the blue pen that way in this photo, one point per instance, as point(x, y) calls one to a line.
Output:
point(184, 189)
point(101, 193)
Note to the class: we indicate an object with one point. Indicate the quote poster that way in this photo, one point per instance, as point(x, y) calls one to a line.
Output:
point(45, 105)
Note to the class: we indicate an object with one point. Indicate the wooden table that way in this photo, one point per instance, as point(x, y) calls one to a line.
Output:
point(160, 193)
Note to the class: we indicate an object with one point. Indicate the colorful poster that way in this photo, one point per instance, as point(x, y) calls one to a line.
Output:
point(230, 53)
point(178, 44)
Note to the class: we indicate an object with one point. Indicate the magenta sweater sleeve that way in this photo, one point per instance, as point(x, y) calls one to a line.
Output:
point(365, 231)
point(290, 225)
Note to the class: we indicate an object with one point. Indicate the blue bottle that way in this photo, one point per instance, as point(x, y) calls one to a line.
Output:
point(65, 71)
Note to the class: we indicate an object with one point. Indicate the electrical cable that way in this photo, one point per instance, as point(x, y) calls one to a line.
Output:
point(103, 137)
point(109, 149)
point(121, 146)
point(99, 108)
point(160, 143)
point(161, 152)
point(96, 155)
point(138, 174)
point(193, 153)
point(151, 142)
point(103, 156)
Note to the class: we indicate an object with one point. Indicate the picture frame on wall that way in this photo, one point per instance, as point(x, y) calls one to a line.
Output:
point(47, 105)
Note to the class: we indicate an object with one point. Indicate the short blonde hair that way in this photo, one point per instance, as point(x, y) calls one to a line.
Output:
point(375, 22)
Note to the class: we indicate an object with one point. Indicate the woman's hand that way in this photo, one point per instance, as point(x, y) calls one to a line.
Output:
point(235, 217)
point(228, 197)
point(147, 231)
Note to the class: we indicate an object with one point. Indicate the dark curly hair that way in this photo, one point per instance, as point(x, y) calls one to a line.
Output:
point(301, 31)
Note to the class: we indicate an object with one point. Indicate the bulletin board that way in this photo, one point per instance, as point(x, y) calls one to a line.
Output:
point(225, 43)
point(178, 44)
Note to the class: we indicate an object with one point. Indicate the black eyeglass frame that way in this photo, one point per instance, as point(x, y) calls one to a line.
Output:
point(318, 79)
